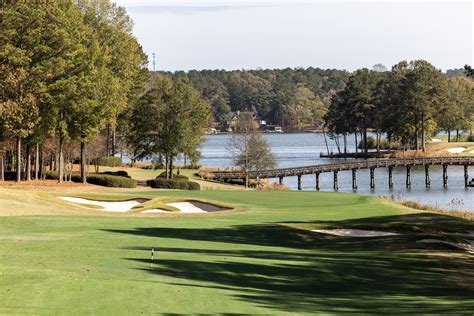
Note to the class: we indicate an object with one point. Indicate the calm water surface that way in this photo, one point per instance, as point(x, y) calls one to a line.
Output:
point(293, 150)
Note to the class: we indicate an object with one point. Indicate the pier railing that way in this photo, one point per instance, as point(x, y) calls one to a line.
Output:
point(389, 163)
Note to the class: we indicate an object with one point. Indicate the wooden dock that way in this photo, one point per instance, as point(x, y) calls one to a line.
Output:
point(373, 164)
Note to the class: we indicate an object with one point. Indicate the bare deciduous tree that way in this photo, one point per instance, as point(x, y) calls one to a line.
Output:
point(249, 149)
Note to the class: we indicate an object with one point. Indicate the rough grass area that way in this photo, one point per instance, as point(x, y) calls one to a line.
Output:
point(260, 259)
point(441, 148)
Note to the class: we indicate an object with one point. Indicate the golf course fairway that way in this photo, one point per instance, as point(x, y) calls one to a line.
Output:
point(261, 257)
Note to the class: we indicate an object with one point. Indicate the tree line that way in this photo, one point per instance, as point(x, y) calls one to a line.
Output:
point(411, 102)
point(293, 98)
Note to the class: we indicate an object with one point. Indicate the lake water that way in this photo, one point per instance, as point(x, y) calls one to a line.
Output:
point(303, 149)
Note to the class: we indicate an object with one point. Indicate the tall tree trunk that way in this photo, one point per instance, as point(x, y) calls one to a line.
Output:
point(2, 167)
point(28, 163)
point(366, 144)
point(345, 144)
point(423, 130)
point(417, 145)
point(83, 163)
point(457, 135)
point(171, 167)
point(449, 135)
point(166, 166)
point(326, 141)
point(377, 135)
point(51, 161)
point(113, 140)
point(61, 159)
point(18, 159)
point(356, 144)
point(108, 140)
point(41, 163)
point(36, 161)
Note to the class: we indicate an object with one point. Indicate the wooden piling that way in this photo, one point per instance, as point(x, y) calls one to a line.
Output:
point(354, 179)
point(427, 176)
point(390, 177)
point(445, 176)
point(299, 182)
point(317, 181)
point(372, 178)
point(408, 181)
point(466, 176)
point(336, 184)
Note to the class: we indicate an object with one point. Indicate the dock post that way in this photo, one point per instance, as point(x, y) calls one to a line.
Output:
point(280, 180)
point(317, 181)
point(466, 177)
point(445, 176)
point(354, 179)
point(336, 184)
point(408, 182)
point(372, 179)
point(299, 182)
point(390, 177)
point(427, 176)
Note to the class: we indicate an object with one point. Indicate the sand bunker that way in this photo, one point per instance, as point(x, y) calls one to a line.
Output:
point(154, 211)
point(195, 207)
point(119, 207)
point(354, 232)
point(435, 140)
point(467, 246)
point(456, 150)
point(127, 206)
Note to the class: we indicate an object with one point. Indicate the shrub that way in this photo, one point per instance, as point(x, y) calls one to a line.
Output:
point(119, 173)
point(470, 138)
point(111, 181)
point(371, 143)
point(175, 176)
point(162, 183)
point(194, 186)
point(109, 161)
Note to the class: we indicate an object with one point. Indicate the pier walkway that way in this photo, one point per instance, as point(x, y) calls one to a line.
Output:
point(373, 164)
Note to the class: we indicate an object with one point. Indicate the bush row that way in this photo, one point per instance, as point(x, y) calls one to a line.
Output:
point(161, 183)
point(112, 181)
point(119, 173)
point(109, 161)
point(99, 179)
point(175, 177)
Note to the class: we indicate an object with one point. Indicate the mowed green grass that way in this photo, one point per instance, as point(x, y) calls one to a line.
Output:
point(262, 258)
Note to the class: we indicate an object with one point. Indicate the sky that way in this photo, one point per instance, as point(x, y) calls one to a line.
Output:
point(350, 34)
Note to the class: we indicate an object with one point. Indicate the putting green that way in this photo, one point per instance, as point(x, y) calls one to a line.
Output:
point(260, 258)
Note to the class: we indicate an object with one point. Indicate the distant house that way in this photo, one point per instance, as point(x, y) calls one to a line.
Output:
point(233, 119)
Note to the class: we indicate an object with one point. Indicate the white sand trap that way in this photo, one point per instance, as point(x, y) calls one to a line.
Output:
point(456, 150)
point(354, 232)
point(471, 152)
point(154, 211)
point(195, 207)
point(467, 246)
point(435, 140)
point(119, 207)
